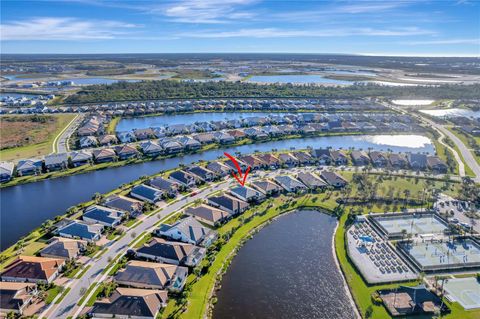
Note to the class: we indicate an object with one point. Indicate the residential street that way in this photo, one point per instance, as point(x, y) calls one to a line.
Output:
point(61, 141)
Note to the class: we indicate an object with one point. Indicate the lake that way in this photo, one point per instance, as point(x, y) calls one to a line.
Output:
point(287, 270)
point(33, 203)
point(453, 112)
point(299, 79)
point(16, 95)
point(128, 124)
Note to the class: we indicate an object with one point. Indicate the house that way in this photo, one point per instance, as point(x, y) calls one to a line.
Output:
point(312, 181)
point(223, 138)
point(333, 179)
point(81, 230)
point(271, 160)
point(148, 275)
point(183, 178)
point(168, 187)
point(288, 159)
point(88, 141)
point(253, 161)
point(237, 134)
point(228, 203)
point(437, 165)
point(338, 157)
point(32, 269)
point(126, 137)
point(64, 248)
point(104, 155)
point(131, 206)
point(208, 214)
point(109, 139)
point(189, 143)
point(105, 216)
point(126, 151)
point(247, 194)
point(233, 167)
point(303, 158)
point(267, 187)
point(398, 161)
point(80, 158)
point(360, 158)
point(6, 171)
point(54, 162)
point(289, 183)
point(202, 173)
point(204, 138)
point(322, 155)
point(170, 146)
point(417, 161)
point(187, 230)
point(30, 166)
point(379, 159)
point(146, 193)
point(170, 252)
point(131, 303)
point(144, 134)
point(15, 297)
point(151, 148)
point(219, 168)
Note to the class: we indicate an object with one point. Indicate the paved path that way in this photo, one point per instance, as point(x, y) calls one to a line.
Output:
point(68, 306)
point(60, 143)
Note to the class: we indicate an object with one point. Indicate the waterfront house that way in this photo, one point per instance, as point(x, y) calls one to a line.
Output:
point(187, 230)
point(184, 178)
point(247, 194)
point(437, 165)
point(151, 148)
point(105, 216)
point(417, 161)
point(6, 171)
point(129, 205)
point(104, 155)
point(88, 141)
point(202, 173)
point(54, 162)
point(322, 155)
point(289, 183)
point(170, 146)
point(170, 252)
point(126, 137)
point(131, 303)
point(189, 143)
point(288, 159)
point(228, 203)
point(311, 180)
point(270, 160)
point(204, 138)
point(237, 134)
point(208, 214)
point(223, 138)
point(379, 159)
point(15, 297)
point(360, 158)
point(267, 187)
point(303, 158)
point(148, 275)
point(144, 134)
point(81, 230)
point(233, 167)
point(338, 157)
point(30, 166)
point(333, 179)
point(79, 158)
point(176, 129)
point(109, 139)
point(219, 168)
point(65, 248)
point(126, 151)
point(146, 193)
point(398, 161)
point(253, 161)
point(168, 187)
point(32, 269)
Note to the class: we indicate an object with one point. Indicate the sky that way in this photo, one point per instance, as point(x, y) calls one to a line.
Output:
point(395, 27)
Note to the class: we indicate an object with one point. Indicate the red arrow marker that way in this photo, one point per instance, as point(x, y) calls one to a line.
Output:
point(240, 177)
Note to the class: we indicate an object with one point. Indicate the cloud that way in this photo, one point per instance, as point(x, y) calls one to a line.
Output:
point(281, 33)
point(63, 28)
point(475, 41)
point(204, 11)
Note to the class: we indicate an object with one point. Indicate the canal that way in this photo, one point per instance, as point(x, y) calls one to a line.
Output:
point(25, 207)
point(287, 270)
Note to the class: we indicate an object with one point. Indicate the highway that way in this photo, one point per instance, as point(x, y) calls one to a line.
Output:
point(68, 306)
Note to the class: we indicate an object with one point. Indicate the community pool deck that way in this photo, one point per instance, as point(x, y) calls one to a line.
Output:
point(431, 256)
point(414, 224)
point(465, 291)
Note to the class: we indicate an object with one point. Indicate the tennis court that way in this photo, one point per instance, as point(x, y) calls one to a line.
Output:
point(466, 291)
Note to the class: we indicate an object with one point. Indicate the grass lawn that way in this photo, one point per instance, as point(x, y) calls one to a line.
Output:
point(113, 124)
point(52, 293)
point(64, 293)
point(40, 136)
